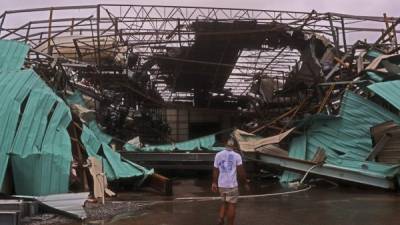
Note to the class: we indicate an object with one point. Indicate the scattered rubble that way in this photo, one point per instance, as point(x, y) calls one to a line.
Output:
point(86, 101)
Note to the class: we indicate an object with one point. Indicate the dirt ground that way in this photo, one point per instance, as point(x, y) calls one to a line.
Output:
point(324, 204)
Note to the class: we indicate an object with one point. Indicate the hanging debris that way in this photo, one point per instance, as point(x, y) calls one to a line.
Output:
point(300, 89)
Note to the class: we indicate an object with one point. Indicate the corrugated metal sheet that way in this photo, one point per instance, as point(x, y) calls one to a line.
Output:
point(3, 168)
point(201, 143)
point(12, 55)
point(249, 142)
point(97, 142)
point(348, 136)
point(70, 203)
point(346, 139)
point(115, 167)
point(296, 151)
point(34, 132)
point(390, 91)
point(390, 153)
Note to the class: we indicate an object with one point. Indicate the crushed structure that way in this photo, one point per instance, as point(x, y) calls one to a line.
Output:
point(310, 93)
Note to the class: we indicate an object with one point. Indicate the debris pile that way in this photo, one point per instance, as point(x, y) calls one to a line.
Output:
point(352, 127)
point(43, 144)
point(76, 95)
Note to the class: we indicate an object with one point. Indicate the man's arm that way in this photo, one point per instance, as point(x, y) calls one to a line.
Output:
point(242, 174)
point(214, 186)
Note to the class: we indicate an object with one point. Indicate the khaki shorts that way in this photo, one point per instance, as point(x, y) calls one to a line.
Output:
point(230, 195)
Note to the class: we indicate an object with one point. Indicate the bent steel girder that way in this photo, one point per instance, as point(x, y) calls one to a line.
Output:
point(148, 30)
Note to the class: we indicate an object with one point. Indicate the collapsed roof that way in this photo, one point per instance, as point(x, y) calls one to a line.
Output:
point(167, 54)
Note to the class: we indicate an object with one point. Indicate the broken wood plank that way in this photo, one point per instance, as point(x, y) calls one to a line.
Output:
point(319, 156)
point(160, 183)
point(326, 98)
point(379, 146)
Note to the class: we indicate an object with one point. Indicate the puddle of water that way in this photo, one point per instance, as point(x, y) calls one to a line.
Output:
point(319, 206)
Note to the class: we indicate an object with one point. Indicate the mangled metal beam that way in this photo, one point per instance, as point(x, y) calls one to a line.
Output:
point(327, 170)
point(157, 160)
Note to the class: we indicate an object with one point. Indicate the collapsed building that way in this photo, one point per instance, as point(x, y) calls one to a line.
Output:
point(307, 92)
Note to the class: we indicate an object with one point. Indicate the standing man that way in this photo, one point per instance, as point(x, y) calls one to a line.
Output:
point(227, 166)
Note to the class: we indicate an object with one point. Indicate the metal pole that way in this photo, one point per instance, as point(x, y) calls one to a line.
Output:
point(335, 41)
point(49, 32)
point(344, 35)
point(98, 35)
point(3, 18)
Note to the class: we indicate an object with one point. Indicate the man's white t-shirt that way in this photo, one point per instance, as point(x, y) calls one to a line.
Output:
point(227, 161)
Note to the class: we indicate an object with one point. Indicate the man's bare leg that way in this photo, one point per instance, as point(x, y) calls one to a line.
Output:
point(222, 212)
point(230, 213)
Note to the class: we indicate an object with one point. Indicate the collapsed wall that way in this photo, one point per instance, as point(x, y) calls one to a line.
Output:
point(36, 143)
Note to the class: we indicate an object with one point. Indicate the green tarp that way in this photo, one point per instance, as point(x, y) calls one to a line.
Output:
point(389, 90)
point(34, 134)
point(345, 139)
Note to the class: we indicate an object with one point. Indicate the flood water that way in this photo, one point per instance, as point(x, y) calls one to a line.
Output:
point(321, 205)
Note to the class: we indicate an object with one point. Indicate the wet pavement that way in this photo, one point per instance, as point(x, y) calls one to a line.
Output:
point(321, 205)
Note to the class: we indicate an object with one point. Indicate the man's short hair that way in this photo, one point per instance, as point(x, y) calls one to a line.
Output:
point(222, 138)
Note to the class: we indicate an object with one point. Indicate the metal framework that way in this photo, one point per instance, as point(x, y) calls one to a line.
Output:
point(327, 170)
point(88, 33)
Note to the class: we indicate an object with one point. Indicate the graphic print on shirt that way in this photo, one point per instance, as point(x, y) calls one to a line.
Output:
point(226, 166)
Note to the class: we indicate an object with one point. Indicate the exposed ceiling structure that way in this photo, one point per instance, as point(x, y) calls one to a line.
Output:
point(170, 54)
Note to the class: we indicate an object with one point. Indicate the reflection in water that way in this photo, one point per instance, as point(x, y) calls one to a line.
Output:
point(316, 207)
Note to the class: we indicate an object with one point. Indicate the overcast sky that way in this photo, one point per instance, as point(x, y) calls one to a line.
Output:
point(357, 7)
